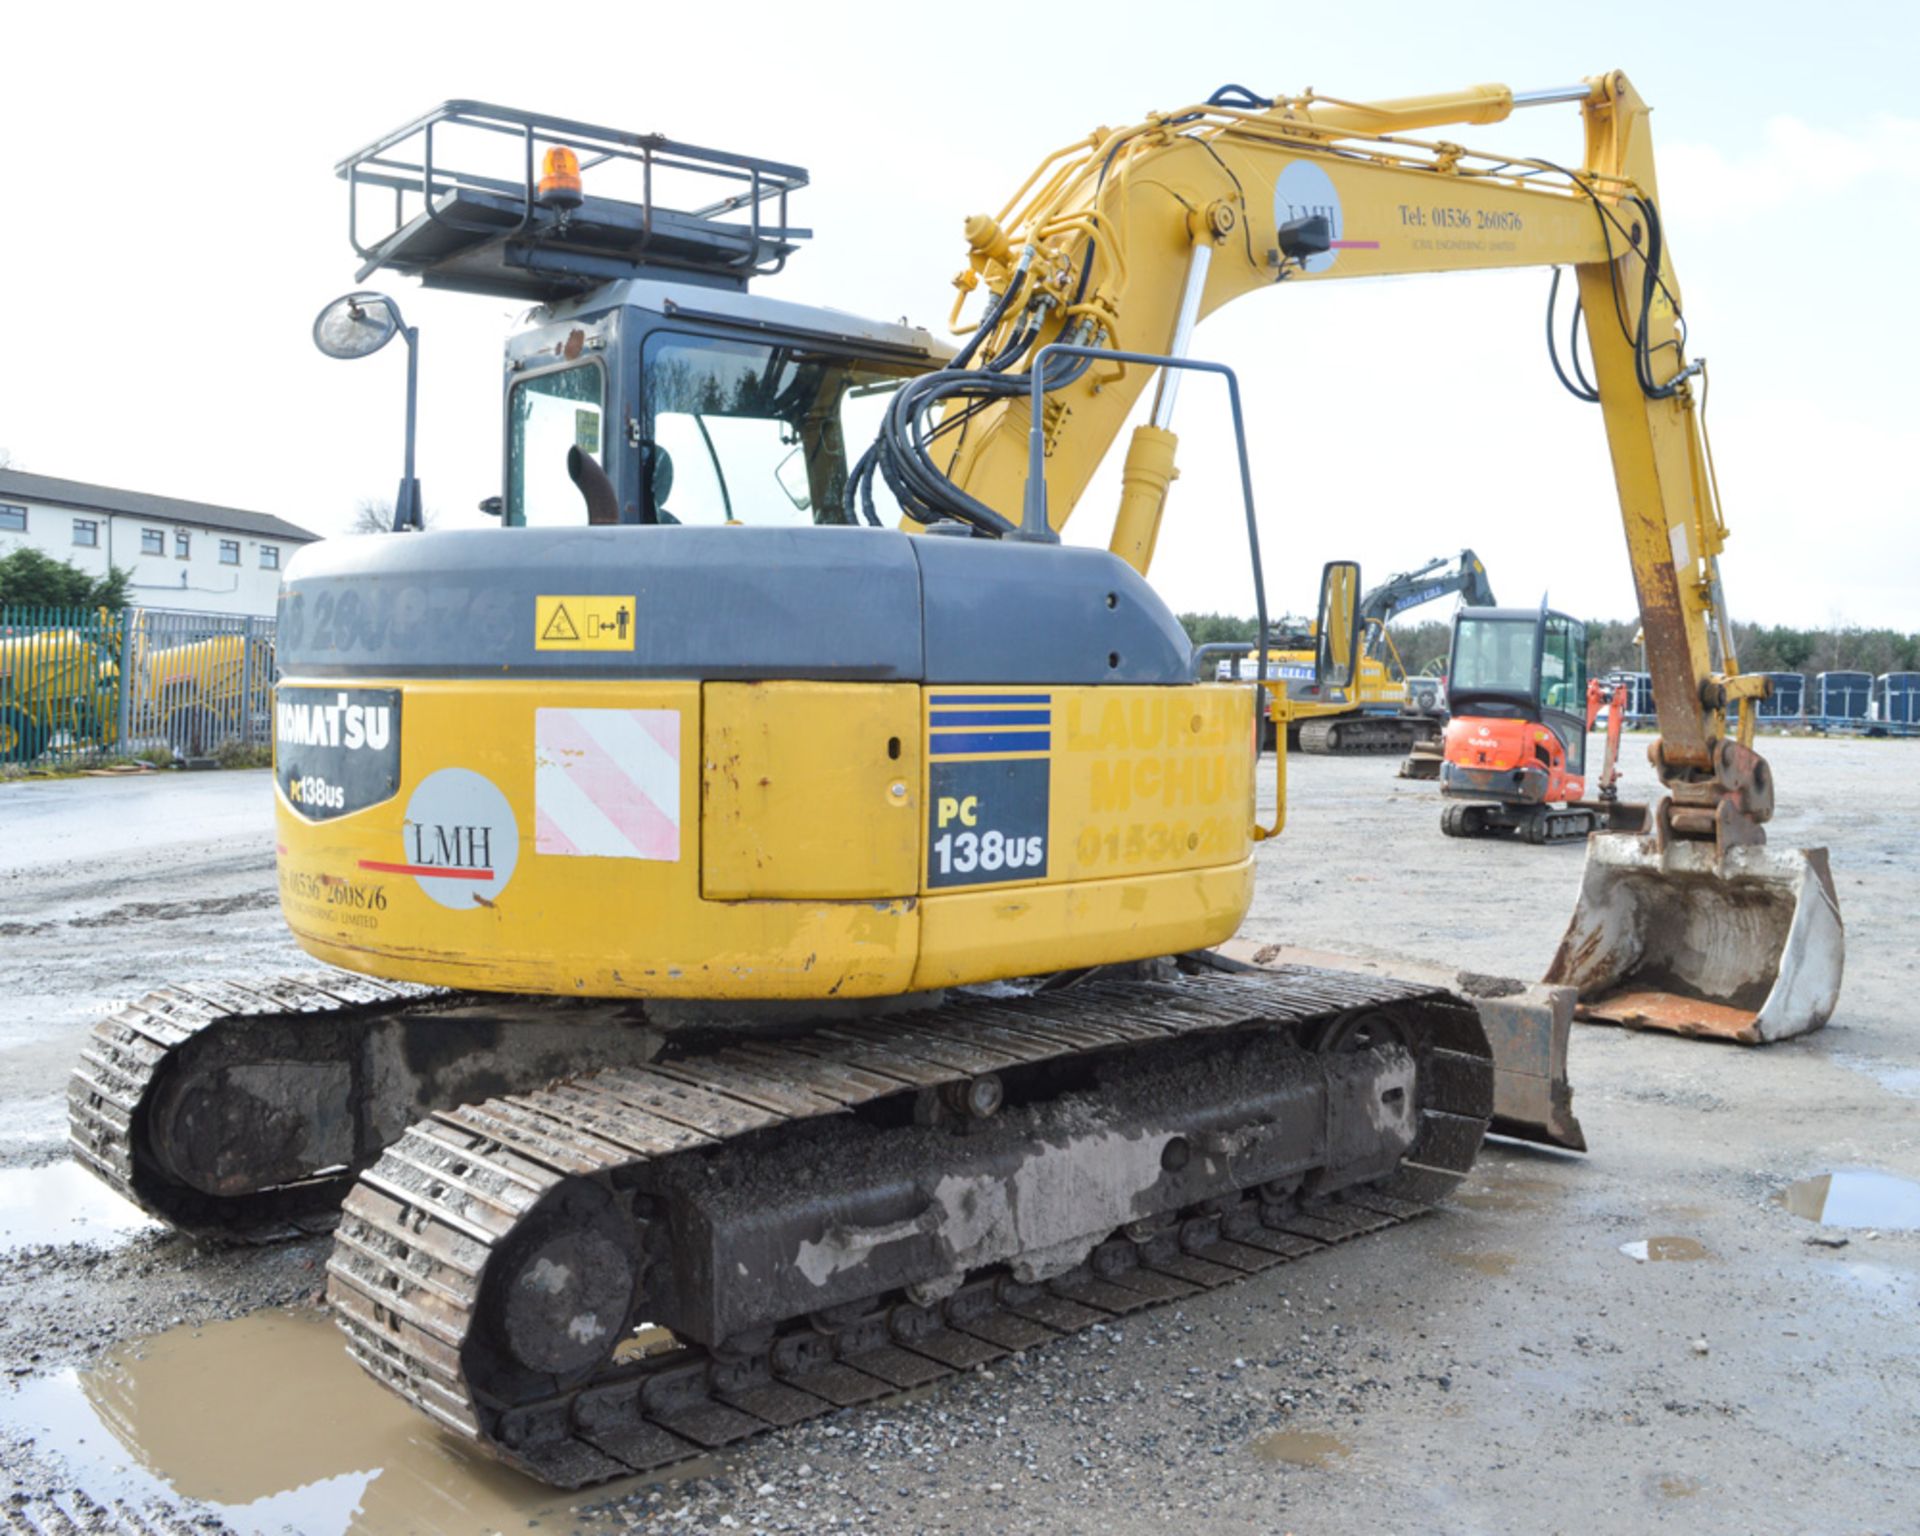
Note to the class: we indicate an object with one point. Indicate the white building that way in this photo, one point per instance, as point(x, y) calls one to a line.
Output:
point(183, 554)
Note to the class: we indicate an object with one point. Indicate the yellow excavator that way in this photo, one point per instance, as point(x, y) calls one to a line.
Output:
point(793, 933)
point(1375, 713)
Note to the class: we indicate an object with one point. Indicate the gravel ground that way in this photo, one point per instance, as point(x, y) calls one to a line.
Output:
point(1500, 1365)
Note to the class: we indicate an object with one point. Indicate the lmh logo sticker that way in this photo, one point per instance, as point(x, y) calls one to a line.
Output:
point(459, 840)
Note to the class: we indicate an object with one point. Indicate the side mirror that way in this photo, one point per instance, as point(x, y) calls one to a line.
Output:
point(356, 325)
point(791, 474)
point(493, 506)
point(1336, 659)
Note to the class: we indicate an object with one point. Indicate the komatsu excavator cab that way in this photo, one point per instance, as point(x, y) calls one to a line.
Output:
point(726, 408)
point(696, 401)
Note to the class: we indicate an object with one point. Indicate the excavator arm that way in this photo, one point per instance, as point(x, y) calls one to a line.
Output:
point(1128, 237)
point(1409, 589)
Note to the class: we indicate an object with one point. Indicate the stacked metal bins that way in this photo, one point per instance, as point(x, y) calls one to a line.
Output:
point(1639, 697)
point(1787, 705)
point(1896, 701)
point(1841, 700)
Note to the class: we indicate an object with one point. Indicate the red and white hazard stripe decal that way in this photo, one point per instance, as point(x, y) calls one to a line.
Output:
point(606, 783)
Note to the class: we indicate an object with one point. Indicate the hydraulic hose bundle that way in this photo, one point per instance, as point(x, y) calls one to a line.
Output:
point(902, 452)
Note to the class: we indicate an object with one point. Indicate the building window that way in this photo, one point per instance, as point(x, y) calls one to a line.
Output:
point(13, 519)
point(153, 541)
point(269, 557)
point(86, 533)
point(229, 551)
point(182, 544)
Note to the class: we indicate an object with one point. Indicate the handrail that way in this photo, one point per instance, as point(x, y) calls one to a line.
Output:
point(1036, 528)
point(409, 161)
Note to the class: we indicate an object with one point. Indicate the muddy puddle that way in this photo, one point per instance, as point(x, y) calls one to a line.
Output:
point(267, 1420)
point(63, 1203)
point(1904, 1081)
point(1490, 1264)
point(1856, 1197)
point(1665, 1250)
point(1876, 1282)
point(1301, 1448)
point(1516, 1193)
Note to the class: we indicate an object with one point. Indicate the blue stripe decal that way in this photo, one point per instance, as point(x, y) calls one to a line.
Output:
point(956, 742)
point(966, 717)
point(992, 698)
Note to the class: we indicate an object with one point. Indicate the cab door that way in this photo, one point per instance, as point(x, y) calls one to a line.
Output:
point(1563, 686)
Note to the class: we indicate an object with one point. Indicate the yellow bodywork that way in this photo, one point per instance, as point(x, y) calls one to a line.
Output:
point(800, 854)
point(206, 674)
point(55, 680)
point(820, 840)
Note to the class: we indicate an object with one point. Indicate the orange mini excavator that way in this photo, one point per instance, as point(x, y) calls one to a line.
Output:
point(1515, 749)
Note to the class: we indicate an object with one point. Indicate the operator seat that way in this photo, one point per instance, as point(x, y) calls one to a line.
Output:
point(662, 484)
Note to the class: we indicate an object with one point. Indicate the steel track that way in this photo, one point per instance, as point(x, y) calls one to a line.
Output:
point(110, 1095)
point(1364, 735)
point(408, 1275)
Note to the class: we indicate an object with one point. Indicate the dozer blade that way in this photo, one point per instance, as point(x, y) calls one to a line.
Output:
point(1749, 948)
point(1526, 1026)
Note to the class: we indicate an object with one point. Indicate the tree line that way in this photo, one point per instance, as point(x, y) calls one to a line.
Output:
point(1610, 647)
point(36, 580)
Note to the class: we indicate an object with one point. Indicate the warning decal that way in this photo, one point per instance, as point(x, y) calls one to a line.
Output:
point(583, 623)
point(606, 783)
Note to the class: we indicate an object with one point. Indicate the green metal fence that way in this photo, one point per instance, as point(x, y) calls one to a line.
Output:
point(79, 684)
point(59, 681)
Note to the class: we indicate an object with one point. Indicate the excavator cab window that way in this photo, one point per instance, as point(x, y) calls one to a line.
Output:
point(761, 433)
point(1493, 656)
point(548, 413)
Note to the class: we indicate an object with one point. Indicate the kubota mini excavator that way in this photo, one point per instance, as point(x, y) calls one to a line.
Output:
point(1515, 749)
point(715, 800)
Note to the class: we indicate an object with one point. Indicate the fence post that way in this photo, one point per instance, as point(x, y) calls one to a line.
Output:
point(246, 684)
point(129, 617)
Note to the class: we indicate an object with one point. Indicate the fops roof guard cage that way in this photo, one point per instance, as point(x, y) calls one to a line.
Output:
point(472, 206)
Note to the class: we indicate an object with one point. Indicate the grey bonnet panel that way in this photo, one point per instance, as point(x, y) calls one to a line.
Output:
point(828, 602)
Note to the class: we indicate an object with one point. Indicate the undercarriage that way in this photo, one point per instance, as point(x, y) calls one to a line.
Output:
point(1356, 734)
point(1531, 823)
point(713, 1233)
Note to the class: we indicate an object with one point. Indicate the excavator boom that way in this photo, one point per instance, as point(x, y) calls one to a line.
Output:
point(1128, 236)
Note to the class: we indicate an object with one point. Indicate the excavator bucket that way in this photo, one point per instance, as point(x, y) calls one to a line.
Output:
point(1747, 946)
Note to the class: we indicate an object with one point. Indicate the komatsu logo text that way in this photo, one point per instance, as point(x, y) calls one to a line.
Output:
point(337, 723)
point(336, 750)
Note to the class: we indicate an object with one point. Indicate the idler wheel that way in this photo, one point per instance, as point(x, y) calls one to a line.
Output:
point(1361, 1031)
point(565, 1285)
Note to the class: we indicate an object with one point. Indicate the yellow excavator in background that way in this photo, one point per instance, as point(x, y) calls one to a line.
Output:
point(1375, 713)
point(828, 904)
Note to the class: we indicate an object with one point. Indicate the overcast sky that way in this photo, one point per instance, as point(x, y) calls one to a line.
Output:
point(172, 225)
